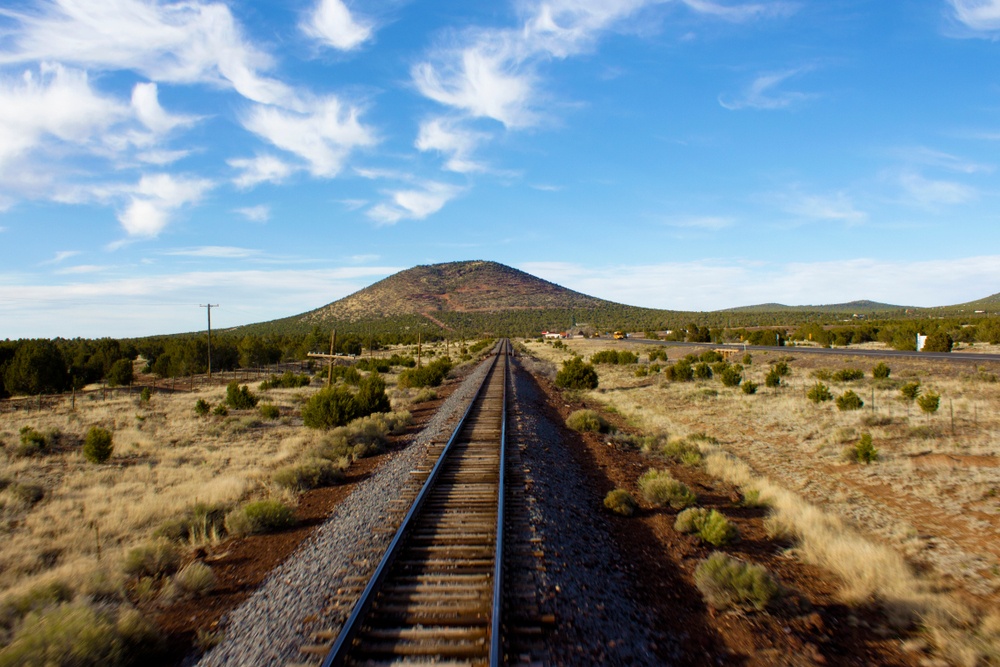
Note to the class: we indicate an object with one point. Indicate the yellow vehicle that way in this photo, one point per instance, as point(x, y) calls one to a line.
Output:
point(620, 335)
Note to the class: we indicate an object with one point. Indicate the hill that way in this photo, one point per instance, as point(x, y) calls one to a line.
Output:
point(860, 307)
point(461, 287)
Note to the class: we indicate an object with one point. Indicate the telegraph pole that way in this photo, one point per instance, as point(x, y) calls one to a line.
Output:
point(210, 306)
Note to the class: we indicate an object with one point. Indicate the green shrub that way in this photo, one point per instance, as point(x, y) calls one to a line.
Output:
point(747, 359)
point(371, 396)
point(726, 582)
point(749, 387)
point(881, 371)
point(424, 395)
point(153, 559)
point(287, 380)
point(311, 474)
point(849, 401)
point(702, 371)
point(682, 451)
point(939, 341)
point(910, 391)
point(220, 410)
point(641, 371)
point(97, 446)
point(732, 376)
point(823, 374)
point(772, 379)
point(711, 357)
point(329, 407)
point(679, 372)
point(195, 579)
point(621, 502)
point(198, 524)
point(848, 375)
point(720, 367)
point(654, 368)
point(201, 407)
point(430, 375)
point(81, 633)
point(690, 520)
point(751, 498)
point(240, 397)
point(37, 597)
point(349, 374)
point(781, 368)
point(261, 516)
point(268, 411)
point(586, 420)
point(604, 357)
point(929, 402)
point(575, 374)
point(819, 393)
point(863, 451)
point(31, 442)
point(659, 488)
point(717, 530)
point(145, 395)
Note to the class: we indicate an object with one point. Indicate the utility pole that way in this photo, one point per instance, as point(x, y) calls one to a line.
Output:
point(210, 306)
point(328, 357)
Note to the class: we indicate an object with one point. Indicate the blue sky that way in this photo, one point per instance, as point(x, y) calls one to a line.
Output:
point(688, 154)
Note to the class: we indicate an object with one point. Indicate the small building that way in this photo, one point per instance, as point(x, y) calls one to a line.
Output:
point(553, 334)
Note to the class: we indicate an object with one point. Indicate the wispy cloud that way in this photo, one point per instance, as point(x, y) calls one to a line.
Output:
point(155, 198)
point(414, 203)
point(81, 269)
point(260, 213)
point(445, 136)
point(183, 42)
point(322, 134)
point(764, 93)
point(978, 15)
point(544, 187)
point(924, 156)
point(930, 193)
point(706, 222)
point(259, 169)
point(332, 23)
point(740, 12)
point(214, 251)
point(61, 256)
point(837, 207)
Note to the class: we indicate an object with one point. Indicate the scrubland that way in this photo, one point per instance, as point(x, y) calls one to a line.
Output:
point(916, 531)
point(83, 544)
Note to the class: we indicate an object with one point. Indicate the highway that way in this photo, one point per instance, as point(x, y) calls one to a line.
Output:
point(970, 357)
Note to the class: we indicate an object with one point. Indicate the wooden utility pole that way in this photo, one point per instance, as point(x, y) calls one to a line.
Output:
point(210, 306)
point(328, 357)
point(418, 349)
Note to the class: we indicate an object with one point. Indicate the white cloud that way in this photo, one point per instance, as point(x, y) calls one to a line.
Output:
point(62, 256)
point(322, 135)
point(978, 15)
point(443, 135)
point(162, 157)
point(260, 213)
point(214, 251)
point(176, 42)
point(933, 158)
point(353, 204)
point(413, 204)
point(837, 207)
point(81, 269)
point(718, 284)
point(332, 23)
point(146, 103)
point(155, 198)
point(363, 259)
point(932, 193)
point(741, 11)
point(763, 93)
point(260, 169)
point(707, 222)
point(57, 103)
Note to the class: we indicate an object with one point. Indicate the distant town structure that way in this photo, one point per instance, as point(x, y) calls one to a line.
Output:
point(554, 334)
point(921, 341)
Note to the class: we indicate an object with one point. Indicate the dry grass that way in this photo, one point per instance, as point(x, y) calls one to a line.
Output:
point(172, 473)
point(932, 499)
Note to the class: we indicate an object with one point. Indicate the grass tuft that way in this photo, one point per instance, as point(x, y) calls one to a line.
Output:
point(586, 420)
point(727, 582)
point(621, 502)
point(261, 516)
point(659, 488)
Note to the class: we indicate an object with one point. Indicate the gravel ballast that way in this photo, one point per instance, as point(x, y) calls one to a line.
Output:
point(274, 622)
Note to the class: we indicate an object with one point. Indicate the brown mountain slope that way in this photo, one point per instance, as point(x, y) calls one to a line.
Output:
point(477, 286)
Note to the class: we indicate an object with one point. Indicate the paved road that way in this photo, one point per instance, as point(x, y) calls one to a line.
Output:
point(943, 356)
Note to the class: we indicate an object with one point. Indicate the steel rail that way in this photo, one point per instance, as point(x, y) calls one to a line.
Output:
point(496, 649)
point(341, 648)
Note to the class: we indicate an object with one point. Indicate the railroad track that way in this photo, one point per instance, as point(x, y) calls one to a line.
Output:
point(436, 595)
